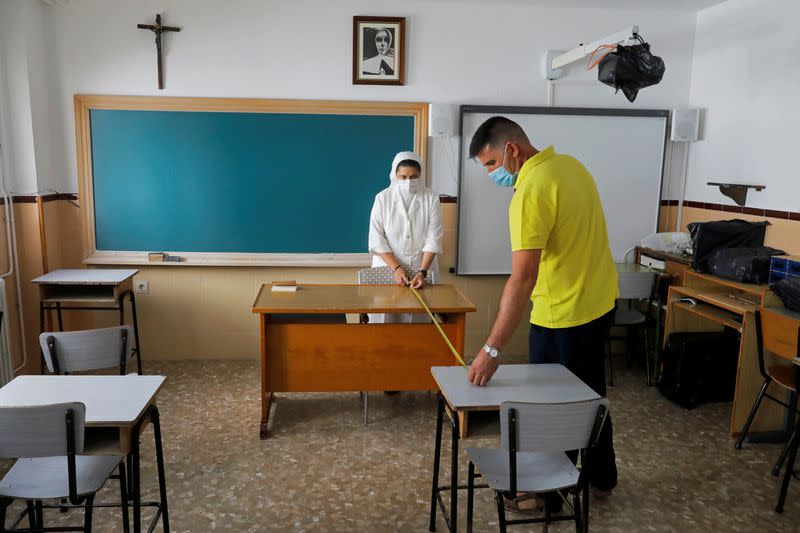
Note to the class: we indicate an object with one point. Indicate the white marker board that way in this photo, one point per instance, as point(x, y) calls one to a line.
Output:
point(622, 148)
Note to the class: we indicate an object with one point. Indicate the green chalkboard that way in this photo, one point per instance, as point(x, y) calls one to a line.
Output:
point(198, 181)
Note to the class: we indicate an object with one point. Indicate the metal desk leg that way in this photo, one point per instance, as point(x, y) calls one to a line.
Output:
point(121, 304)
point(42, 364)
point(436, 458)
point(135, 476)
point(657, 354)
point(60, 318)
point(136, 334)
point(454, 474)
point(162, 482)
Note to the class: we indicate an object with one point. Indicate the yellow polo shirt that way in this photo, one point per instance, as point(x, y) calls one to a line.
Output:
point(556, 208)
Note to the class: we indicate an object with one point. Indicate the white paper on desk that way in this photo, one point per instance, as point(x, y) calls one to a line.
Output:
point(284, 288)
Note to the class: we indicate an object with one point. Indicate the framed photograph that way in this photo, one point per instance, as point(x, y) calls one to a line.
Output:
point(379, 50)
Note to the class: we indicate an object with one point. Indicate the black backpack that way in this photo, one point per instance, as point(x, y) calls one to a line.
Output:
point(699, 367)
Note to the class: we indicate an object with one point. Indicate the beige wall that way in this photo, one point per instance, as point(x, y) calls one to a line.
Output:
point(204, 312)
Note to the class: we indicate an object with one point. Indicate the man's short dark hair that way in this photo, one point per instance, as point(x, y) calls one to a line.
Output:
point(408, 163)
point(493, 132)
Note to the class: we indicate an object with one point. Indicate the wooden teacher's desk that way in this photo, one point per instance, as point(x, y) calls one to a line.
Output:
point(308, 346)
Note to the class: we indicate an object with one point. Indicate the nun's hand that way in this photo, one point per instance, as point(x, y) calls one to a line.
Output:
point(400, 277)
point(418, 281)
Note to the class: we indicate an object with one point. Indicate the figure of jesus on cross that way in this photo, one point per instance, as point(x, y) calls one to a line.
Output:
point(158, 29)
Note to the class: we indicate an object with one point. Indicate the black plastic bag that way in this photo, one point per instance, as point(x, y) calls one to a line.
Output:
point(631, 68)
point(710, 236)
point(747, 265)
point(788, 290)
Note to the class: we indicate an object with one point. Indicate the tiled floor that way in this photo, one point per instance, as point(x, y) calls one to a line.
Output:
point(322, 470)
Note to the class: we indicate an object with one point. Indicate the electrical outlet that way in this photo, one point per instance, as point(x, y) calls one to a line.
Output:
point(141, 286)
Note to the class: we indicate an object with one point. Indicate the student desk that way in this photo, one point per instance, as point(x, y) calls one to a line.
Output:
point(117, 409)
point(308, 346)
point(511, 383)
point(88, 289)
point(722, 303)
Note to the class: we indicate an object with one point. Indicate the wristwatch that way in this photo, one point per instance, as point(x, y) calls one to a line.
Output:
point(423, 272)
point(494, 353)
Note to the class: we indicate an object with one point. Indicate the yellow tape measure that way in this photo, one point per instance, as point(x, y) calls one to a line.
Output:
point(435, 323)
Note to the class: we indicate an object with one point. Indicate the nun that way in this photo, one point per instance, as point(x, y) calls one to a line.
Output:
point(405, 230)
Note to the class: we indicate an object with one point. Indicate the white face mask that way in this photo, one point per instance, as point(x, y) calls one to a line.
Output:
point(408, 185)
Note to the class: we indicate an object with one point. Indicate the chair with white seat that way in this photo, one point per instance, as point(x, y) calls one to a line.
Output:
point(633, 286)
point(379, 276)
point(533, 459)
point(46, 441)
point(93, 349)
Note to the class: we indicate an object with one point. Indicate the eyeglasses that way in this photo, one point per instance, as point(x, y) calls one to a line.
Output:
point(381, 39)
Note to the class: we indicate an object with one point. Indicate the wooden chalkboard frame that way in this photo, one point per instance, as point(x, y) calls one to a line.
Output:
point(85, 103)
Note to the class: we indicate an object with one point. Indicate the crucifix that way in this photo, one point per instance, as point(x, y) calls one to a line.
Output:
point(158, 29)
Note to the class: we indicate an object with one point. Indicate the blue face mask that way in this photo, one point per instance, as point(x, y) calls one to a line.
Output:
point(501, 176)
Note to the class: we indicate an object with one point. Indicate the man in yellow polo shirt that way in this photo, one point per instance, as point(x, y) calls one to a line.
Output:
point(560, 259)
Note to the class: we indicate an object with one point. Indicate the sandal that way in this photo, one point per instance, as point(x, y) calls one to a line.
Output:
point(513, 505)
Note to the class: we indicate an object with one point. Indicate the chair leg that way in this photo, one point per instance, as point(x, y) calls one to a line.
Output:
point(776, 470)
point(752, 414)
point(501, 511)
point(470, 494)
point(576, 504)
point(547, 513)
point(123, 495)
point(787, 475)
point(366, 408)
point(31, 511)
point(39, 514)
point(4, 503)
point(87, 520)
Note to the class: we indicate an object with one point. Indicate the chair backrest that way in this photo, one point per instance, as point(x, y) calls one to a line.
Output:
point(636, 285)
point(41, 430)
point(552, 427)
point(778, 334)
point(93, 349)
point(384, 276)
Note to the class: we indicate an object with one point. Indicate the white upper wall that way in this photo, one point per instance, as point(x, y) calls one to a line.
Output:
point(745, 78)
point(458, 52)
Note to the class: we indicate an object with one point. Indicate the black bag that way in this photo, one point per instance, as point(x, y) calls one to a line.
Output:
point(631, 68)
point(748, 265)
point(709, 236)
point(788, 290)
point(699, 367)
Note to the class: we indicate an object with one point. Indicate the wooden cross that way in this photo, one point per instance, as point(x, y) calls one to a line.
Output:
point(158, 29)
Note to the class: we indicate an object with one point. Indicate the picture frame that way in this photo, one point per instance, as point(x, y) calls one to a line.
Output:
point(379, 50)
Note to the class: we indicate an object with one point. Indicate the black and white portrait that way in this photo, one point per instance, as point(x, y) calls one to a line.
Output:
point(378, 50)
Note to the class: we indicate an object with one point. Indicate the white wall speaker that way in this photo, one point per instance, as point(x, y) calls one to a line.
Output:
point(442, 120)
point(685, 125)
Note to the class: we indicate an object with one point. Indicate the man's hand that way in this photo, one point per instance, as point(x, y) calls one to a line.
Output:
point(482, 369)
point(400, 277)
point(418, 281)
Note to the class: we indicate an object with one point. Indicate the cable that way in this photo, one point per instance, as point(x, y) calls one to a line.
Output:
point(435, 323)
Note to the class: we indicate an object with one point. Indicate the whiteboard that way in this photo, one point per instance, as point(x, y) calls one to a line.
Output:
point(623, 149)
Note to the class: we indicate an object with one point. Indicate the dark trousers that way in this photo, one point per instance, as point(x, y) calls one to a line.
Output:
point(582, 349)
